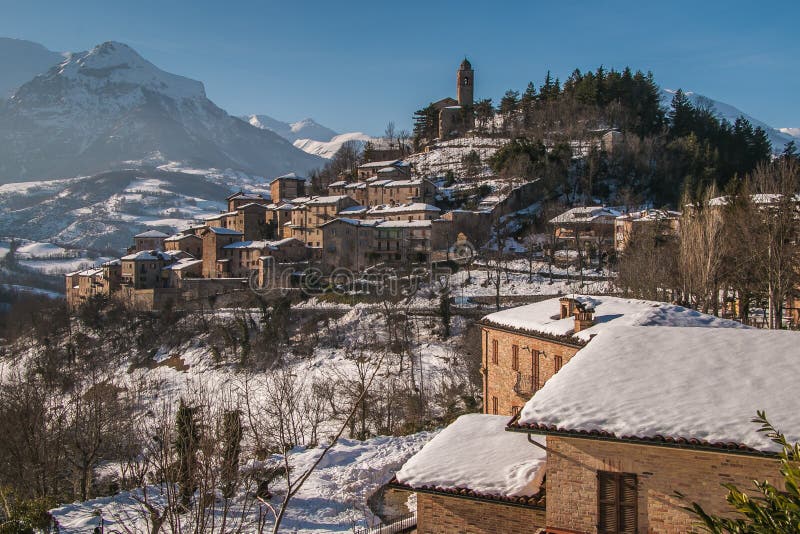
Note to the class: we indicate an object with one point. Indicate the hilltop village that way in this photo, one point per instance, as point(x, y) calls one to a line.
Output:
point(545, 409)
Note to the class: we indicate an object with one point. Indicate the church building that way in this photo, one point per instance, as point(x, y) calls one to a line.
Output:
point(456, 115)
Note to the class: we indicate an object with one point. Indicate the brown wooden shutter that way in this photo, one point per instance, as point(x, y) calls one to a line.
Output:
point(494, 351)
point(515, 357)
point(557, 362)
point(494, 405)
point(616, 503)
point(535, 370)
point(627, 503)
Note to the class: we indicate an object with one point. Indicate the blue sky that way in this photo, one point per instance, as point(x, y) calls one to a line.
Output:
point(356, 65)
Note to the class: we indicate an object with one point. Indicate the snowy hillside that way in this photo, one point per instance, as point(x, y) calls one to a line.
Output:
point(102, 212)
point(778, 137)
point(22, 60)
point(99, 109)
point(449, 155)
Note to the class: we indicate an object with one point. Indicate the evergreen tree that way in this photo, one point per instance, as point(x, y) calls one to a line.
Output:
point(187, 441)
point(510, 102)
point(527, 105)
point(484, 112)
point(426, 124)
point(446, 313)
point(790, 151)
point(231, 438)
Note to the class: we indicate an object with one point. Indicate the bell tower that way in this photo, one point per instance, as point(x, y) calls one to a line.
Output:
point(465, 84)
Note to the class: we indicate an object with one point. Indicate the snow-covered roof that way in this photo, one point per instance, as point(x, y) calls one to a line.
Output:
point(380, 164)
point(219, 216)
point(354, 222)
point(378, 183)
point(241, 194)
point(179, 237)
point(333, 199)
point(650, 215)
point(401, 208)
point(284, 241)
point(403, 183)
point(224, 231)
point(388, 169)
point(590, 214)
point(340, 183)
point(183, 264)
point(251, 205)
point(476, 453)
point(248, 244)
point(405, 224)
point(151, 233)
point(608, 311)
point(758, 198)
point(356, 185)
point(702, 385)
point(354, 209)
point(301, 200)
point(148, 255)
point(290, 176)
point(112, 263)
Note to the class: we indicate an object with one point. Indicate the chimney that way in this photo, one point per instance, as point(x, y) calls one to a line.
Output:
point(584, 318)
point(567, 306)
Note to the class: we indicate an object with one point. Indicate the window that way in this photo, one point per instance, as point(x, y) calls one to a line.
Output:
point(535, 370)
point(494, 405)
point(557, 363)
point(515, 357)
point(514, 410)
point(494, 351)
point(616, 502)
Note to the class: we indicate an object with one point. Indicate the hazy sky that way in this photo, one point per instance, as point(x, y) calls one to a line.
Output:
point(355, 65)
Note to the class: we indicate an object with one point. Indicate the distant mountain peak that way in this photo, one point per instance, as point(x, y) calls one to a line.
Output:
point(306, 128)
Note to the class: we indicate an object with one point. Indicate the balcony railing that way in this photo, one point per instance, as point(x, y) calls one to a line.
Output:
point(525, 385)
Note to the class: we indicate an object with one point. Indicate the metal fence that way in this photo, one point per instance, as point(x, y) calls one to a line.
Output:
point(402, 524)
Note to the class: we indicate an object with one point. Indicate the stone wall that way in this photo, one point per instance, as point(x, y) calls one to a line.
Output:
point(440, 514)
point(572, 466)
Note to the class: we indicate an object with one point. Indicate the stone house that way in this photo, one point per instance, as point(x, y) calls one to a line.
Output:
point(669, 411)
point(474, 477)
point(149, 240)
point(412, 211)
point(237, 200)
point(579, 227)
point(188, 242)
point(370, 169)
point(219, 220)
point(663, 223)
point(287, 187)
point(280, 217)
point(142, 270)
point(214, 240)
point(311, 213)
point(523, 347)
point(404, 191)
point(252, 220)
point(349, 243)
point(181, 270)
point(88, 283)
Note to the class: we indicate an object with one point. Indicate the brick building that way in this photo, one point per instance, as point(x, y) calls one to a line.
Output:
point(149, 240)
point(310, 213)
point(237, 200)
point(214, 241)
point(523, 347)
point(287, 187)
point(663, 223)
point(186, 242)
point(641, 413)
point(475, 477)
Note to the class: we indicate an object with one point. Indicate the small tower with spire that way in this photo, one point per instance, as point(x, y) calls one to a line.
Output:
point(466, 82)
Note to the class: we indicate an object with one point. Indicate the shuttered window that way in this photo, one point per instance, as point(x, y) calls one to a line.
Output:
point(616, 503)
point(494, 351)
point(557, 363)
point(494, 405)
point(535, 370)
point(515, 357)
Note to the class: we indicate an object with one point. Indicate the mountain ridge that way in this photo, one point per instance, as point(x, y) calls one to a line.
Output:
point(108, 108)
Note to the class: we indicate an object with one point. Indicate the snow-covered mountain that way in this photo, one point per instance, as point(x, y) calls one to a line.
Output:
point(105, 108)
point(778, 137)
point(327, 149)
point(20, 61)
point(308, 135)
point(794, 132)
point(292, 131)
